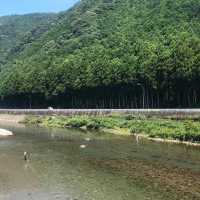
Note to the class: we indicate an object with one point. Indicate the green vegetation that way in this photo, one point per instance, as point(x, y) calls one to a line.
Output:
point(74, 122)
point(179, 130)
point(107, 53)
point(19, 31)
point(183, 130)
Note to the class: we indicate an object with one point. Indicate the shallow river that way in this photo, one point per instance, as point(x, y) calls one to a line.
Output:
point(108, 168)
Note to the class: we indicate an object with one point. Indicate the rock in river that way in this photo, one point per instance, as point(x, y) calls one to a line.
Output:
point(4, 132)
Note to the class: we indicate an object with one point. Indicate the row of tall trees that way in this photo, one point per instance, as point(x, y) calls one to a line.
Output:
point(111, 54)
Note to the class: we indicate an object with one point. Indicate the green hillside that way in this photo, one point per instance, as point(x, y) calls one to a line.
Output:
point(106, 53)
point(16, 29)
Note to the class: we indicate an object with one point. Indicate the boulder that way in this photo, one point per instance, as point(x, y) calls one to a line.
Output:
point(4, 132)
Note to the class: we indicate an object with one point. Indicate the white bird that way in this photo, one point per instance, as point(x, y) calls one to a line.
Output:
point(137, 138)
point(50, 108)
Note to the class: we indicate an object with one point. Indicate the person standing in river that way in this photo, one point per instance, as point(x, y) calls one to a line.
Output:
point(26, 156)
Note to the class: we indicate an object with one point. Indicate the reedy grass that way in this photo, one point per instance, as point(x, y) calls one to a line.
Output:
point(183, 130)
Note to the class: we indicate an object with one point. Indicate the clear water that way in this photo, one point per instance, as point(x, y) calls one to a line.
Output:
point(108, 168)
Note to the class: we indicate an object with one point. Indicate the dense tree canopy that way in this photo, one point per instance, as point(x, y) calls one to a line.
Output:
point(106, 53)
point(16, 31)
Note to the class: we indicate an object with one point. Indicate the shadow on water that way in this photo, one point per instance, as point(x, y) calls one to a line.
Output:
point(72, 164)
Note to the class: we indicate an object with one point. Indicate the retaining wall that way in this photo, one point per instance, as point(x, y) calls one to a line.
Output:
point(176, 113)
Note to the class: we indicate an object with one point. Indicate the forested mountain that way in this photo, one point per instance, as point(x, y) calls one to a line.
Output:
point(17, 29)
point(106, 53)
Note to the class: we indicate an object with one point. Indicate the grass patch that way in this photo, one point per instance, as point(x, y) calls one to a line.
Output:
point(183, 130)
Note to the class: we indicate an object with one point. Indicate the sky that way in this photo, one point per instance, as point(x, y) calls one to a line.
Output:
point(11, 7)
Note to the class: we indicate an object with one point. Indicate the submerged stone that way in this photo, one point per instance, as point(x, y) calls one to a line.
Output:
point(83, 146)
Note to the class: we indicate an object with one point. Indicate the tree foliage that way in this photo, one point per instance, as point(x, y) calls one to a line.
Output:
point(109, 53)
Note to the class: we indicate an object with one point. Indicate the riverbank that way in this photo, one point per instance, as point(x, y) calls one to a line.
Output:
point(11, 118)
point(156, 129)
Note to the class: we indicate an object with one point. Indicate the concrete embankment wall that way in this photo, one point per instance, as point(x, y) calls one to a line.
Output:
point(173, 113)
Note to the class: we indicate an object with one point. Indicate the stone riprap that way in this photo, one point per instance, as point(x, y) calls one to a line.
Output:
point(174, 113)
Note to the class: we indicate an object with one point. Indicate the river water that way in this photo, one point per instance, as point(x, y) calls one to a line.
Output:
point(75, 165)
